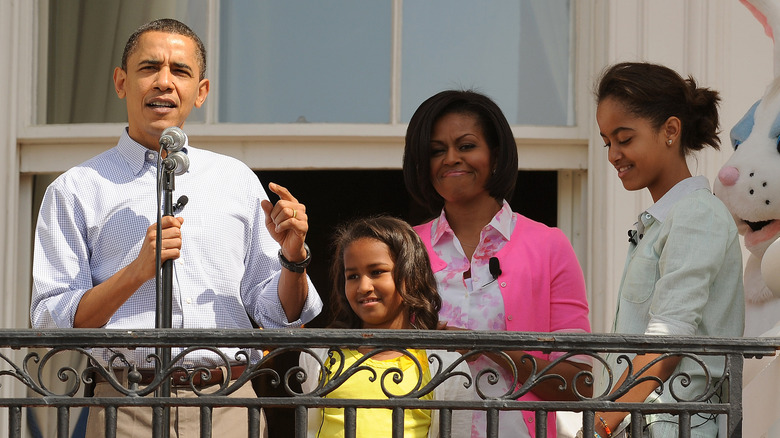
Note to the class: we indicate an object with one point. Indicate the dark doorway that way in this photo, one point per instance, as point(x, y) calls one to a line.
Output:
point(334, 196)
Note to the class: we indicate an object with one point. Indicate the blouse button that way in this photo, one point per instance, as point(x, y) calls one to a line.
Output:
point(509, 317)
point(503, 284)
point(189, 300)
point(647, 216)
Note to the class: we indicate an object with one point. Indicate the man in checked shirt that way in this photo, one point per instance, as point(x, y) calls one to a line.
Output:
point(236, 255)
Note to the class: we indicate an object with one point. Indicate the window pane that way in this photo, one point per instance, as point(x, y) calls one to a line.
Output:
point(517, 52)
point(303, 61)
point(85, 42)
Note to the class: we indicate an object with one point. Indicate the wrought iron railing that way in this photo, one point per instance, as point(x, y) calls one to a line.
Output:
point(31, 369)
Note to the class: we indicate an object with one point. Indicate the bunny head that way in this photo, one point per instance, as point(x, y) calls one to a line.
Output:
point(749, 182)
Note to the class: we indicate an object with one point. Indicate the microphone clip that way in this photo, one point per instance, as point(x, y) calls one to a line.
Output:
point(495, 267)
point(173, 139)
point(177, 162)
point(634, 237)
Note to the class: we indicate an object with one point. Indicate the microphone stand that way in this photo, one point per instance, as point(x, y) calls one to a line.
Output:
point(165, 298)
point(165, 307)
point(172, 141)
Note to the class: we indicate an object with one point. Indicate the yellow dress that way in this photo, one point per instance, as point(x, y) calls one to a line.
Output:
point(378, 422)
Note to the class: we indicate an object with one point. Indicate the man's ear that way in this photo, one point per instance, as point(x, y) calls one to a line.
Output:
point(119, 82)
point(672, 128)
point(203, 91)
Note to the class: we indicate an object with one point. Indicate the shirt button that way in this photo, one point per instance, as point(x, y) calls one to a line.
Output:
point(509, 317)
point(150, 156)
point(189, 300)
point(503, 284)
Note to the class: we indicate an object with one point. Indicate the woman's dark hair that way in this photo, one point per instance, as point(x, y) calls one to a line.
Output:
point(655, 92)
point(167, 25)
point(412, 273)
point(495, 128)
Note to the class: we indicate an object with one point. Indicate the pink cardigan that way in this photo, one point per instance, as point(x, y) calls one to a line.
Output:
point(542, 286)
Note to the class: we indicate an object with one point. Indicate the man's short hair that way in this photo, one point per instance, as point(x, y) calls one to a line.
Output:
point(167, 25)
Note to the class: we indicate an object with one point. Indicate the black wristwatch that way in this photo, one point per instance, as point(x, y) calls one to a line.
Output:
point(299, 267)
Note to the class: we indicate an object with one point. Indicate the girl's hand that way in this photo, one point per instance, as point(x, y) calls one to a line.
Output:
point(443, 326)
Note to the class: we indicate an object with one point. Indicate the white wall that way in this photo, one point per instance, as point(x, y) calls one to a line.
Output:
point(14, 15)
point(719, 43)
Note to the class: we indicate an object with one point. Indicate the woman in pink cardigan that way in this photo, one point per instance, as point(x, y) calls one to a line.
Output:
point(496, 269)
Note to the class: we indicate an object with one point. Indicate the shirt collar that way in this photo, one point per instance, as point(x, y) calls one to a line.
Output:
point(661, 209)
point(136, 154)
point(501, 222)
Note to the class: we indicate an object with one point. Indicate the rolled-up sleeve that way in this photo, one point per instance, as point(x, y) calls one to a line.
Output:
point(61, 270)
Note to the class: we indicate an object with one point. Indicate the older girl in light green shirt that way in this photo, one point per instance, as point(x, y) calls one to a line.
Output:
point(683, 273)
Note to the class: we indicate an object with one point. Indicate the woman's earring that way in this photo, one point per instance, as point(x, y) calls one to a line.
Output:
point(669, 142)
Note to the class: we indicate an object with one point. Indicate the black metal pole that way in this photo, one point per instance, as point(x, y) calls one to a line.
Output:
point(165, 304)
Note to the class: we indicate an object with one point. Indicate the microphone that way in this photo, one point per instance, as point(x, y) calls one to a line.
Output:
point(495, 267)
point(634, 237)
point(180, 203)
point(178, 162)
point(173, 139)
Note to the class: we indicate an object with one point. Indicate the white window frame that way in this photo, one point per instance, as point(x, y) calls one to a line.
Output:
point(55, 148)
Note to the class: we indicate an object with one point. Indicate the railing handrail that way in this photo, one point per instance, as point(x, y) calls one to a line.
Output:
point(439, 339)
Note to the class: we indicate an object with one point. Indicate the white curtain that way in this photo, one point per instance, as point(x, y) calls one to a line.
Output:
point(85, 42)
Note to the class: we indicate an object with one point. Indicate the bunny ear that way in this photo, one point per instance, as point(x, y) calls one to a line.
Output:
point(768, 13)
point(760, 17)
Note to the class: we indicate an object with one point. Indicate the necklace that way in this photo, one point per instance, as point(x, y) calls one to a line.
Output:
point(470, 246)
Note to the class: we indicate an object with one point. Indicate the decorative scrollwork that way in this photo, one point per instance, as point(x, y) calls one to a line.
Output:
point(335, 373)
point(696, 382)
point(707, 385)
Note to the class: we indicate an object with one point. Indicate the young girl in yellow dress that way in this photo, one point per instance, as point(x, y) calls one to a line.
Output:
point(382, 279)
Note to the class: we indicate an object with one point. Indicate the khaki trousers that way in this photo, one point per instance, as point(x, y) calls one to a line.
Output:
point(136, 422)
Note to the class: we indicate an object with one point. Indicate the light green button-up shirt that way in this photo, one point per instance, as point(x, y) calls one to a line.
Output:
point(683, 277)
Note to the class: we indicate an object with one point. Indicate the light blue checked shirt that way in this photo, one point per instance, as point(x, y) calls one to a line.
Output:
point(683, 277)
point(92, 222)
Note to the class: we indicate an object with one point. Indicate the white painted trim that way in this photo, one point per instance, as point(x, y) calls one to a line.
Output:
point(55, 155)
point(572, 208)
point(15, 51)
point(565, 211)
point(305, 146)
point(24, 246)
point(396, 51)
point(212, 69)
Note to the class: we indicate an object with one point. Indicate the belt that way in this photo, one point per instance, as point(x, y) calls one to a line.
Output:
point(181, 378)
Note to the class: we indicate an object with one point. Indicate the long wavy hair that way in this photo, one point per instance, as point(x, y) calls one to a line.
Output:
point(412, 273)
